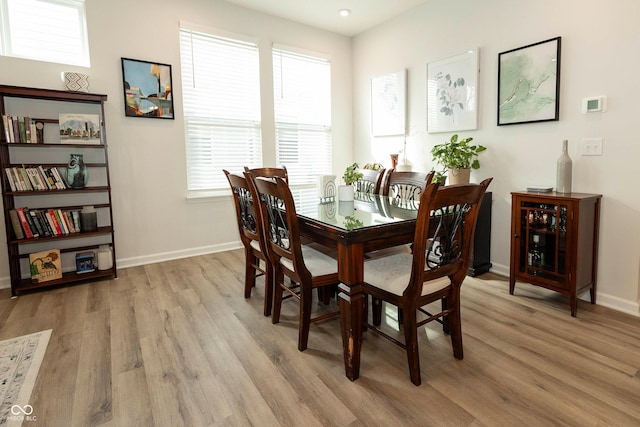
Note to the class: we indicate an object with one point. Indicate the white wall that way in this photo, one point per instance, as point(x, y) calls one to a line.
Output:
point(599, 57)
point(152, 217)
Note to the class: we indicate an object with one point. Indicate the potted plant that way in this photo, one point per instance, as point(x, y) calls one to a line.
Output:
point(457, 157)
point(350, 176)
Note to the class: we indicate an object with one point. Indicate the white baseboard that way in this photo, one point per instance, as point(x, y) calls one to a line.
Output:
point(605, 300)
point(168, 256)
point(5, 281)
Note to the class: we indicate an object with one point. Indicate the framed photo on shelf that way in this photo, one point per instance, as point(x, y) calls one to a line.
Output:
point(388, 104)
point(79, 128)
point(452, 93)
point(45, 265)
point(147, 89)
point(85, 262)
point(529, 83)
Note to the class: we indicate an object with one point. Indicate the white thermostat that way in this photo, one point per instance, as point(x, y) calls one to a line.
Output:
point(594, 104)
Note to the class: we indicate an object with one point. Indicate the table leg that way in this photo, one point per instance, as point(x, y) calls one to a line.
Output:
point(351, 326)
point(350, 273)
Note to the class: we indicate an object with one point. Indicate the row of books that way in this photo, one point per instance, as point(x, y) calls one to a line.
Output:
point(23, 129)
point(29, 223)
point(34, 178)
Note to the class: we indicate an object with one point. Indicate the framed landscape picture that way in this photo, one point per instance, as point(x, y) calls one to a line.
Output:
point(529, 83)
point(147, 89)
point(79, 128)
point(452, 93)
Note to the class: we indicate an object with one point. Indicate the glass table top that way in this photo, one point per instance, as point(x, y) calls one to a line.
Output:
point(366, 210)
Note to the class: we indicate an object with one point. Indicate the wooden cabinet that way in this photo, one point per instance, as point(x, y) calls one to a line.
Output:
point(554, 242)
point(50, 150)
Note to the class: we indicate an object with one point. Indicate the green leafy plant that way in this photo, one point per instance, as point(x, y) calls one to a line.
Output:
point(456, 154)
point(352, 174)
point(351, 222)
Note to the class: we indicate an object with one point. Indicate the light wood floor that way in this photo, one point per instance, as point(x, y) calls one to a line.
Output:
point(176, 344)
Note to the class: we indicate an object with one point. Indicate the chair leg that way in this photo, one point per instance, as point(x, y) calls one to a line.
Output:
point(268, 289)
point(305, 317)
point(455, 329)
point(376, 309)
point(324, 295)
point(249, 273)
point(445, 318)
point(277, 296)
point(411, 340)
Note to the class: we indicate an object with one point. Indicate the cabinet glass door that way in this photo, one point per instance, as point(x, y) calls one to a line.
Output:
point(543, 242)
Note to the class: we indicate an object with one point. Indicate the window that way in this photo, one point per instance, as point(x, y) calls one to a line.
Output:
point(221, 96)
point(302, 98)
point(45, 30)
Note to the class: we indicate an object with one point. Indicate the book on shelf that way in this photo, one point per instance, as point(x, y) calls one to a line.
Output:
point(35, 223)
point(30, 223)
point(45, 266)
point(85, 262)
point(5, 126)
point(36, 178)
point(39, 131)
point(15, 223)
point(79, 128)
point(25, 130)
point(10, 179)
point(24, 223)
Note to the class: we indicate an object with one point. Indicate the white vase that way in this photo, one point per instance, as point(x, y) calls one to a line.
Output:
point(345, 193)
point(346, 208)
point(459, 176)
point(564, 170)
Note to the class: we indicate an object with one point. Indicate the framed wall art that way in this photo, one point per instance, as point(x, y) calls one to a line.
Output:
point(388, 104)
point(147, 89)
point(452, 93)
point(529, 83)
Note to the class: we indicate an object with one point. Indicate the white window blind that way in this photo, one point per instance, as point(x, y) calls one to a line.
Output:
point(221, 95)
point(302, 103)
point(45, 30)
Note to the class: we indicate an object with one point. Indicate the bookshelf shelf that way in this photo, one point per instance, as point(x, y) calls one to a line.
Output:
point(19, 103)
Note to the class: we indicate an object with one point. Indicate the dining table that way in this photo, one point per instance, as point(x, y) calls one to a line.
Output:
point(368, 223)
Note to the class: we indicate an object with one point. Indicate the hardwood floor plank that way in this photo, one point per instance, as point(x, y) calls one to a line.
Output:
point(93, 398)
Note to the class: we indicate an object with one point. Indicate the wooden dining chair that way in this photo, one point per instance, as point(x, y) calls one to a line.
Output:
point(252, 238)
point(270, 172)
point(305, 267)
point(406, 185)
point(435, 270)
point(371, 181)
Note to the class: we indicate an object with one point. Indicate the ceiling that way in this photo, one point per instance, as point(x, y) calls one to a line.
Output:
point(323, 14)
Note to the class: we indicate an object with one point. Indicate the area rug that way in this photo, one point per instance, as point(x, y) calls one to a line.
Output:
point(20, 360)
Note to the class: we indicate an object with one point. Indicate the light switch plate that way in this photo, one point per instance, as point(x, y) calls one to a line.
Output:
point(591, 147)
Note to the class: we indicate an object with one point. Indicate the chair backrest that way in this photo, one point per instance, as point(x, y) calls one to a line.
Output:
point(444, 234)
point(406, 185)
point(270, 172)
point(278, 213)
point(371, 181)
point(249, 224)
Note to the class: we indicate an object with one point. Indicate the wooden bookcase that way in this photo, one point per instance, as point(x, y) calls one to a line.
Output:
point(44, 106)
point(554, 242)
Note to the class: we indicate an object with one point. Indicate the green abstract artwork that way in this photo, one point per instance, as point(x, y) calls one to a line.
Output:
point(528, 83)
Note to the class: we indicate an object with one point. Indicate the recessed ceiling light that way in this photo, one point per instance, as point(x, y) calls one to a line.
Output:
point(344, 12)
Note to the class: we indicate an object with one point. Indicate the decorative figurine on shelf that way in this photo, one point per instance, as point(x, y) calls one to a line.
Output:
point(77, 173)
